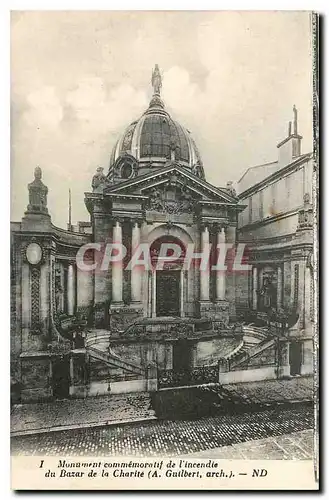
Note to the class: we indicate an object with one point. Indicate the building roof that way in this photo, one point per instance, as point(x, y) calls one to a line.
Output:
point(155, 136)
point(270, 174)
point(256, 174)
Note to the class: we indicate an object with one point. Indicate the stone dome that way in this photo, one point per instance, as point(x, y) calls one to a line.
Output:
point(156, 138)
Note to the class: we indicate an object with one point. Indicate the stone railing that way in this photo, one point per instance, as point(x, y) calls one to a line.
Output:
point(251, 353)
point(112, 359)
point(176, 329)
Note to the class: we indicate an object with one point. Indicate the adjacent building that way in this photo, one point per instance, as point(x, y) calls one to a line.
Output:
point(277, 227)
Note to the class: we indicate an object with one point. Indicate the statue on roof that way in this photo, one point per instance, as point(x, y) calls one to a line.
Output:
point(230, 188)
point(99, 180)
point(37, 193)
point(156, 80)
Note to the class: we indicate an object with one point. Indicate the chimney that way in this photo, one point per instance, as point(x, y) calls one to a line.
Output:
point(290, 147)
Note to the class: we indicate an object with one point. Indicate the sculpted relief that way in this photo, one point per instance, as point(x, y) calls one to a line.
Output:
point(170, 202)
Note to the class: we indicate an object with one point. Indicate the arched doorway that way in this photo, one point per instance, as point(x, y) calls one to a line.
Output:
point(168, 277)
point(61, 377)
point(267, 294)
point(295, 357)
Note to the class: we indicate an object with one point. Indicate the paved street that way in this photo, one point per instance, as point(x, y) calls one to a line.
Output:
point(292, 446)
point(115, 408)
point(269, 391)
point(183, 437)
point(75, 413)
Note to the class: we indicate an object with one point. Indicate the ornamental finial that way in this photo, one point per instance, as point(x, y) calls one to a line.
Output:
point(295, 119)
point(156, 80)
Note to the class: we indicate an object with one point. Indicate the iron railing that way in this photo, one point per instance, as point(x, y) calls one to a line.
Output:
point(184, 377)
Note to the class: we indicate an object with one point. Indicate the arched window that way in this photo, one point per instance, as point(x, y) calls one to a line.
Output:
point(155, 250)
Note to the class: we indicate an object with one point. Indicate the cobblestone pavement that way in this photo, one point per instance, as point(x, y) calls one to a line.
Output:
point(169, 437)
point(293, 446)
point(294, 389)
point(87, 412)
point(102, 410)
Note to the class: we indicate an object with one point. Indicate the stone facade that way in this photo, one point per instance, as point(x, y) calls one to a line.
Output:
point(277, 228)
point(83, 328)
point(154, 192)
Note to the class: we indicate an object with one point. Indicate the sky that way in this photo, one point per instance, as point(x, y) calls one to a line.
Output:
point(79, 78)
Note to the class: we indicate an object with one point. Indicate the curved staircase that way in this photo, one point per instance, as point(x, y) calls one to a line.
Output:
point(98, 347)
point(253, 336)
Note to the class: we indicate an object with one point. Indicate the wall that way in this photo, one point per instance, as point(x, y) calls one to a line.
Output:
point(307, 357)
point(102, 230)
point(280, 226)
point(279, 196)
point(251, 375)
point(256, 174)
point(35, 379)
point(242, 286)
point(106, 388)
point(84, 288)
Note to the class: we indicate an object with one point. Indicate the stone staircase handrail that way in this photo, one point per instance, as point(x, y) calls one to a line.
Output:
point(253, 351)
point(235, 351)
point(112, 359)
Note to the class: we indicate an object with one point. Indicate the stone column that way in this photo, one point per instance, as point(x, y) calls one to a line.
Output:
point(220, 275)
point(117, 270)
point(230, 277)
point(70, 290)
point(254, 287)
point(154, 288)
point(102, 234)
point(182, 293)
point(204, 274)
point(149, 293)
point(307, 367)
point(71, 369)
point(26, 296)
point(136, 270)
point(152, 377)
point(45, 292)
point(287, 290)
point(279, 288)
point(308, 297)
point(71, 388)
point(283, 362)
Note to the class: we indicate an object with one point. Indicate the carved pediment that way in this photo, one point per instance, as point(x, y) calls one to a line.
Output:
point(175, 188)
point(170, 199)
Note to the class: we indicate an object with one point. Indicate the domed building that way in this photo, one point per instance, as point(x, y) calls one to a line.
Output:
point(155, 140)
point(135, 298)
point(155, 189)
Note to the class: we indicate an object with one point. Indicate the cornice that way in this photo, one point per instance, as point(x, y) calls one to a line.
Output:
point(126, 196)
point(178, 170)
point(268, 220)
